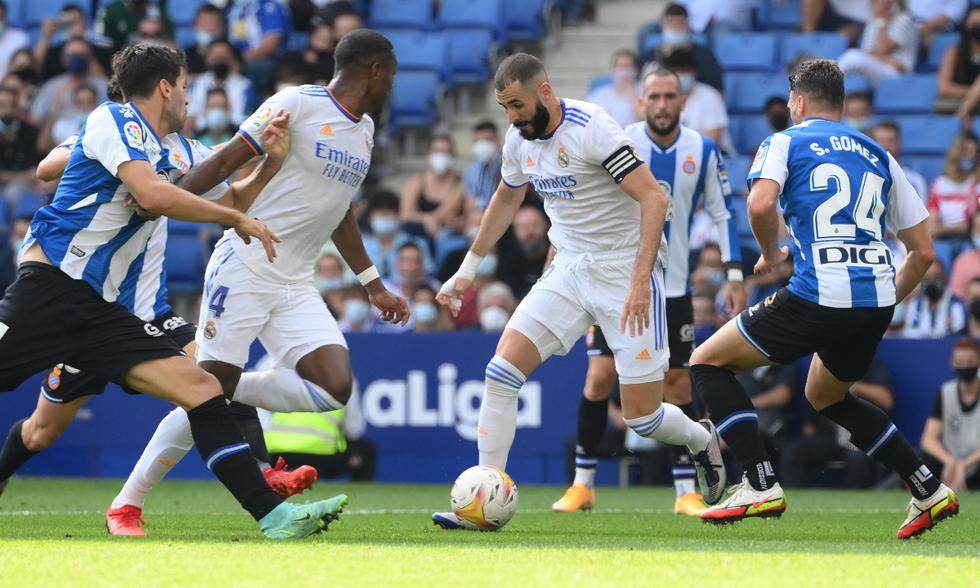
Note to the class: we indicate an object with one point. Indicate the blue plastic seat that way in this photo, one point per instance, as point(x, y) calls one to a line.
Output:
point(401, 14)
point(185, 259)
point(738, 169)
point(930, 166)
point(856, 83)
point(474, 14)
point(418, 51)
point(182, 12)
point(826, 45)
point(748, 131)
point(927, 134)
point(785, 15)
point(912, 94)
point(940, 43)
point(746, 51)
point(32, 12)
point(599, 81)
point(413, 99)
point(748, 92)
point(469, 55)
point(525, 19)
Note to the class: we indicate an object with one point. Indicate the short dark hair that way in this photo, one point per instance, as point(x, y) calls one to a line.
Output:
point(139, 68)
point(485, 125)
point(774, 100)
point(862, 95)
point(207, 7)
point(73, 8)
point(890, 125)
point(820, 80)
point(216, 91)
point(409, 245)
point(383, 200)
point(678, 58)
point(362, 47)
point(627, 53)
point(444, 137)
point(675, 9)
point(656, 69)
point(519, 67)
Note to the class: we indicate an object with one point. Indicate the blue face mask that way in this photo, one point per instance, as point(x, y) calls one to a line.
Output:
point(356, 310)
point(976, 241)
point(425, 313)
point(77, 64)
point(324, 285)
point(487, 267)
point(385, 225)
point(687, 82)
point(676, 37)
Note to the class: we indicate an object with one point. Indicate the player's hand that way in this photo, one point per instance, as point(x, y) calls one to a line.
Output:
point(393, 308)
point(140, 211)
point(249, 227)
point(275, 137)
point(636, 310)
point(734, 297)
point(766, 265)
point(451, 293)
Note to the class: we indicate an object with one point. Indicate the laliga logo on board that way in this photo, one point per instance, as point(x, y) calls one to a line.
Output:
point(405, 403)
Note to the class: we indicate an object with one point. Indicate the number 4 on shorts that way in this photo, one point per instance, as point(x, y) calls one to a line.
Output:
point(217, 302)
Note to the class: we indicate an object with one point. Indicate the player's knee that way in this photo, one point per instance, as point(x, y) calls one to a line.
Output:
point(677, 386)
point(337, 383)
point(202, 387)
point(40, 434)
point(599, 380)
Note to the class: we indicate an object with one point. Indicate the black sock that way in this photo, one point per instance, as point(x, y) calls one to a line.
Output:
point(14, 453)
point(248, 423)
point(873, 432)
point(592, 419)
point(228, 456)
point(731, 410)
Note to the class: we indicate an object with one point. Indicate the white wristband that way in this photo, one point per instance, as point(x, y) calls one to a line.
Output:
point(735, 275)
point(467, 269)
point(369, 275)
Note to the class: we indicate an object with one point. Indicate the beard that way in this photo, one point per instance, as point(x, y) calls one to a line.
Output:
point(666, 129)
point(539, 123)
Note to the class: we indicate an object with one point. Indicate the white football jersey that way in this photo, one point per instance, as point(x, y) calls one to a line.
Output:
point(576, 170)
point(329, 157)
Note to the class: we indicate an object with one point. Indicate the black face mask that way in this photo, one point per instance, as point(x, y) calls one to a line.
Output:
point(974, 33)
point(933, 290)
point(975, 309)
point(221, 70)
point(26, 75)
point(967, 374)
point(778, 120)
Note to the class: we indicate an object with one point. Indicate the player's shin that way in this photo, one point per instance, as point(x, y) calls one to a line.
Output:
point(734, 416)
point(283, 390)
point(498, 412)
point(228, 456)
point(169, 444)
point(14, 453)
point(875, 434)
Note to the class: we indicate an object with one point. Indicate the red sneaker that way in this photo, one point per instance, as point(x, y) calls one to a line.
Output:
point(285, 482)
point(125, 521)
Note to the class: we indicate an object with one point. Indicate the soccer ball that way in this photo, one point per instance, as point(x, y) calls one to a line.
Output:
point(485, 496)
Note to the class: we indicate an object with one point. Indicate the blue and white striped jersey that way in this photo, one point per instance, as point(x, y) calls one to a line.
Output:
point(690, 172)
point(839, 191)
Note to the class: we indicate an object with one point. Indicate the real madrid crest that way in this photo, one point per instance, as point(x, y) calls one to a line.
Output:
point(210, 330)
point(562, 156)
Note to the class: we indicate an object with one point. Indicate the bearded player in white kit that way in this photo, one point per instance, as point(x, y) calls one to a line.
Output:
point(607, 213)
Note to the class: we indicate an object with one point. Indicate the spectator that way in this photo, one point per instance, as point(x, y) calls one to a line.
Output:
point(345, 22)
point(776, 112)
point(65, 123)
point(11, 39)
point(481, 177)
point(960, 65)
point(522, 258)
point(209, 26)
point(807, 457)
point(951, 439)
point(216, 124)
point(223, 66)
point(936, 16)
point(486, 274)
point(846, 17)
point(889, 135)
point(18, 147)
point(709, 273)
point(675, 27)
point(59, 92)
point(706, 316)
point(357, 315)
point(8, 252)
point(119, 20)
point(152, 30)
point(22, 77)
point(973, 304)
point(888, 45)
point(260, 31)
point(385, 235)
point(434, 198)
point(314, 64)
point(858, 111)
point(496, 303)
point(428, 316)
point(409, 272)
point(71, 23)
point(966, 266)
point(934, 312)
point(771, 389)
point(732, 15)
point(620, 98)
point(330, 281)
point(704, 109)
point(953, 196)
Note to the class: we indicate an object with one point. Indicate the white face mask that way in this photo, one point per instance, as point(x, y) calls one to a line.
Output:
point(484, 150)
point(441, 162)
point(493, 319)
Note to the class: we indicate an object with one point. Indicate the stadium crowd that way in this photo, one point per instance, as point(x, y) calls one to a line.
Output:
point(241, 51)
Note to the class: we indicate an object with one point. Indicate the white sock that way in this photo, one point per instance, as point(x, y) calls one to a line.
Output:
point(498, 412)
point(169, 444)
point(668, 424)
point(283, 390)
point(585, 476)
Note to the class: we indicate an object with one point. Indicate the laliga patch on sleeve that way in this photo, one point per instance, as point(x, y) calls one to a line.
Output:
point(760, 157)
point(134, 135)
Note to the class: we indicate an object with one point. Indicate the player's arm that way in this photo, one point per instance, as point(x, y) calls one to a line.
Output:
point(347, 238)
point(275, 140)
point(641, 186)
point(160, 197)
point(217, 168)
point(54, 163)
point(764, 219)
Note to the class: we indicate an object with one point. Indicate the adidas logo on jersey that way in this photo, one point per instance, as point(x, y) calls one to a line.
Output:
point(327, 130)
point(644, 355)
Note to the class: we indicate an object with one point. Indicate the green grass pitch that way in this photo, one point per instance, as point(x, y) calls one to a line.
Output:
point(52, 533)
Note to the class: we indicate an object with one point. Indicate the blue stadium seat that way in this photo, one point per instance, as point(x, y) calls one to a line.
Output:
point(746, 51)
point(182, 11)
point(525, 19)
point(930, 166)
point(469, 55)
point(599, 81)
point(826, 45)
point(15, 13)
point(401, 14)
point(748, 92)
point(413, 99)
point(914, 93)
point(185, 258)
point(738, 170)
point(856, 83)
point(945, 253)
point(34, 11)
point(927, 134)
point(27, 205)
point(418, 51)
point(474, 14)
point(185, 36)
point(298, 40)
point(748, 131)
point(940, 43)
point(778, 16)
